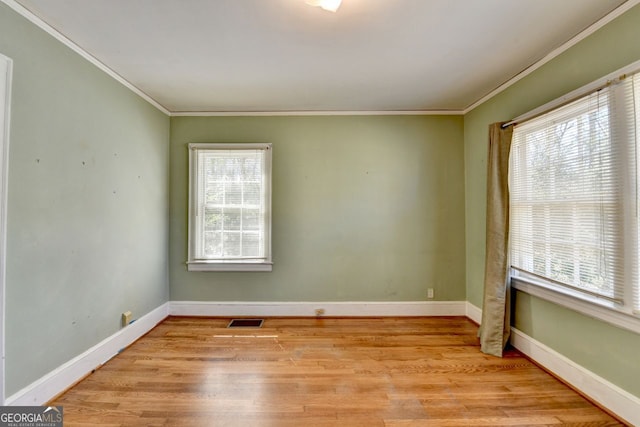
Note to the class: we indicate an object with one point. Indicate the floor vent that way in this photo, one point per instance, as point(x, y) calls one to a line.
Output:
point(245, 323)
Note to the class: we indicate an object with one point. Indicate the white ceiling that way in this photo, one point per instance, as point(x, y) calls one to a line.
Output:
point(283, 55)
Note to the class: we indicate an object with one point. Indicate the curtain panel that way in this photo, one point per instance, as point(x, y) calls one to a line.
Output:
point(495, 327)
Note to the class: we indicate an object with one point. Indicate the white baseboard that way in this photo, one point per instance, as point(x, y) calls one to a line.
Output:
point(308, 309)
point(61, 378)
point(607, 394)
point(473, 312)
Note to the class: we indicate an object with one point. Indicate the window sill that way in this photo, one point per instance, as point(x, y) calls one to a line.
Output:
point(229, 266)
point(592, 307)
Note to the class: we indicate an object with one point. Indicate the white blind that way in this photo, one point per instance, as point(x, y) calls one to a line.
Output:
point(231, 211)
point(574, 204)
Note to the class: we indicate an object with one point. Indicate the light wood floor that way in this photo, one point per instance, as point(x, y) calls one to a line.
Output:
point(326, 372)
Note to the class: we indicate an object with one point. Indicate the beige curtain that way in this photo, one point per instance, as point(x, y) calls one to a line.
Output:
point(496, 308)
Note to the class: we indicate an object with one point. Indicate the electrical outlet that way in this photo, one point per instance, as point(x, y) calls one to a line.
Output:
point(126, 318)
point(430, 293)
point(319, 312)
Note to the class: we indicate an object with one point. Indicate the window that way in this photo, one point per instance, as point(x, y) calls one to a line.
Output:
point(574, 198)
point(229, 207)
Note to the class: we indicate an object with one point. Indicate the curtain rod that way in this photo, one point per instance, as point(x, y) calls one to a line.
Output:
point(595, 86)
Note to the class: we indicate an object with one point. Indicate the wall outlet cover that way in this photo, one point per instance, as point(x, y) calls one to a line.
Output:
point(126, 318)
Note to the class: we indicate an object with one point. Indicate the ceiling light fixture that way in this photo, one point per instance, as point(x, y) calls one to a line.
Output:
point(330, 5)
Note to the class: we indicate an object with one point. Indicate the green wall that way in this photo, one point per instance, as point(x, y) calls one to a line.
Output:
point(364, 208)
point(87, 206)
point(599, 347)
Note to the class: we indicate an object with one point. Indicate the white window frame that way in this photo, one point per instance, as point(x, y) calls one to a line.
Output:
point(6, 72)
point(194, 264)
point(583, 303)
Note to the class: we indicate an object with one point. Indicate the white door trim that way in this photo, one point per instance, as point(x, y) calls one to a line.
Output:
point(6, 67)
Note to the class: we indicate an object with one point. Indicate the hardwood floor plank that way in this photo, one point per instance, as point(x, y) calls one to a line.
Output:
point(321, 372)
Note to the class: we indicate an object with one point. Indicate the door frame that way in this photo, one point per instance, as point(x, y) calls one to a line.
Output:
point(6, 69)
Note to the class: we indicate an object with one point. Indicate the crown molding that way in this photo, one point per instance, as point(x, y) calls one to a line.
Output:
point(318, 113)
point(26, 13)
point(619, 11)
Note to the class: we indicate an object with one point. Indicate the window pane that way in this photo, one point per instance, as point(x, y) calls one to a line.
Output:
point(231, 244)
point(233, 192)
point(214, 193)
point(212, 244)
point(213, 219)
point(252, 169)
point(250, 244)
point(232, 219)
point(215, 168)
point(251, 193)
point(251, 219)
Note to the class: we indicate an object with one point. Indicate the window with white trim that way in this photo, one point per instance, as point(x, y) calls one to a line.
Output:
point(229, 207)
point(574, 197)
